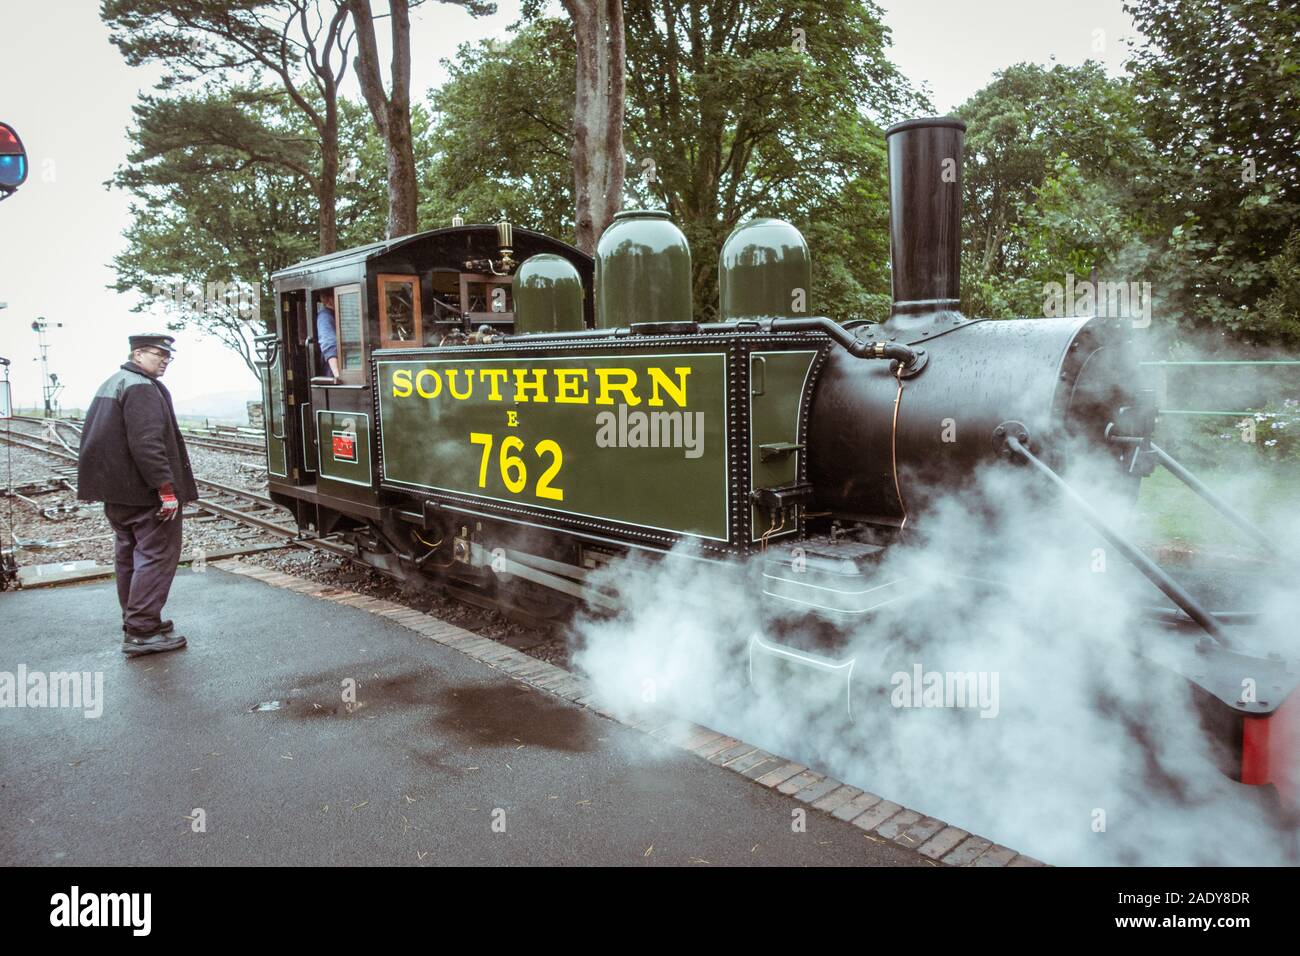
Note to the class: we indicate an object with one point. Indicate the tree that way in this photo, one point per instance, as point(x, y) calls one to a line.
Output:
point(198, 39)
point(1057, 172)
point(599, 163)
point(756, 107)
point(751, 107)
point(1278, 313)
point(1219, 85)
point(392, 111)
point(521, 166)
point(210, 224)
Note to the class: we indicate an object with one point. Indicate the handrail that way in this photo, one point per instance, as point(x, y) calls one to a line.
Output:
point(1225, 362)
point(266, 349)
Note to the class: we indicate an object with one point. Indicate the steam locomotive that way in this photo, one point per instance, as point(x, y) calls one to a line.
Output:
point(512, 415)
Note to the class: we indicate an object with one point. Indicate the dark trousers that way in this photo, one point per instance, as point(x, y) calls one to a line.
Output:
point(146, 552)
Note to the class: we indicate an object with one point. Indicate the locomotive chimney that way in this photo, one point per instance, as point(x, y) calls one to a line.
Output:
point(925, 220)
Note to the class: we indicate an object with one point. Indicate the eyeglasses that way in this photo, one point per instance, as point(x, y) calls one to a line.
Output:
point(167, 356)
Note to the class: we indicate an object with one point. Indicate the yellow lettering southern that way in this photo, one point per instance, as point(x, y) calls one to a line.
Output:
point(402, 383)
point(419, 383)
point(495, 376)
point(627, 386)
point(536, 386)
point(569, 381)
point(451, 383)
point(676, 392)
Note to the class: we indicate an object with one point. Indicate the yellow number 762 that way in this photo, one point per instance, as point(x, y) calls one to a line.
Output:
point(514, 472)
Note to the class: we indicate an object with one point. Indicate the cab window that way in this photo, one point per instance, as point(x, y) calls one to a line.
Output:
point(347, 314)
point(399, 312)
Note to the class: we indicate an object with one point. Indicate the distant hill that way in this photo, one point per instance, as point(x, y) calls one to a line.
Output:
point(225, 407)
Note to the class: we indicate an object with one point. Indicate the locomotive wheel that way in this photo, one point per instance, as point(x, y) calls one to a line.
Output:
point(533, 600)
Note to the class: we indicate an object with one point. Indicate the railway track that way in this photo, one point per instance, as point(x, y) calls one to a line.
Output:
point(220, 500)
point(256, 511)
point(224, 444)
point(218, 441)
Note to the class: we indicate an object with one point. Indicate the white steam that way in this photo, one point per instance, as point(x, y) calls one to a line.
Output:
point(1086, 735)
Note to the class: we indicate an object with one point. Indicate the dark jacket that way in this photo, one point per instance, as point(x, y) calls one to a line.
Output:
point(131, 445)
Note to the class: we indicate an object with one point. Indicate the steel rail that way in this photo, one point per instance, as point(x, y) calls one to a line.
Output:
point(216, 508)
point(223, 444)
point(203, 441)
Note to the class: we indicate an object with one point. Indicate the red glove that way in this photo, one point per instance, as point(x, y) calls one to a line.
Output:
point(170, 506)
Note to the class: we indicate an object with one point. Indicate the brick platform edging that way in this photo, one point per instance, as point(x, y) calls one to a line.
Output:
point(880, 819)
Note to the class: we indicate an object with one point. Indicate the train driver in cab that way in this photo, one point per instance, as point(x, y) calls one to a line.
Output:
point(326, 332)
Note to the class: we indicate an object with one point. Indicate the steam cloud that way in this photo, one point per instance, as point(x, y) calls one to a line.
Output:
point(1083, 725)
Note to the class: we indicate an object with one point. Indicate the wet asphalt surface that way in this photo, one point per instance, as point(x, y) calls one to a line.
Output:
point(443, 760)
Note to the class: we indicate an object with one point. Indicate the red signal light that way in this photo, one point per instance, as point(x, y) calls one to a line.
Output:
point(13, 161)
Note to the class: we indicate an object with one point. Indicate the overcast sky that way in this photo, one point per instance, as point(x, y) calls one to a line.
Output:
point(69, 95)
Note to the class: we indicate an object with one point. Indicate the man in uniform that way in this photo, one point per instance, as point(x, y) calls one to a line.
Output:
point(133, 459)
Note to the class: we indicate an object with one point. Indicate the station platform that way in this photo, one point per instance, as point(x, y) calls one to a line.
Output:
point(444, 759)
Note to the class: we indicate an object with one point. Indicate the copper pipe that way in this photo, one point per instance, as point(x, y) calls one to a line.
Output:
point(893, 446)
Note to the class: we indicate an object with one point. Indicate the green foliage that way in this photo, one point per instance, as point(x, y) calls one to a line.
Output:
point(215, 204)
point(193, 38)
point(501, 133)
point(1219, 87)
point(1277, 431)
point(217, 131)
point(847, 230)
point(1057, 173)
point(768, 108)
point(1269, 437)
point(1278, 313)
point(1184, 174)
point(363, 173)
point(730, 114)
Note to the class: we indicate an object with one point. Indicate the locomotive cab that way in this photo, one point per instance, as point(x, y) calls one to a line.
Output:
point(414, 292)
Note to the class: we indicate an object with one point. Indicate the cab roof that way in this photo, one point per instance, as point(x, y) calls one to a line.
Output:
point(359, 255)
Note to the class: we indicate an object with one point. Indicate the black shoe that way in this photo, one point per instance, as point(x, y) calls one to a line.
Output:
point(156, 644)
